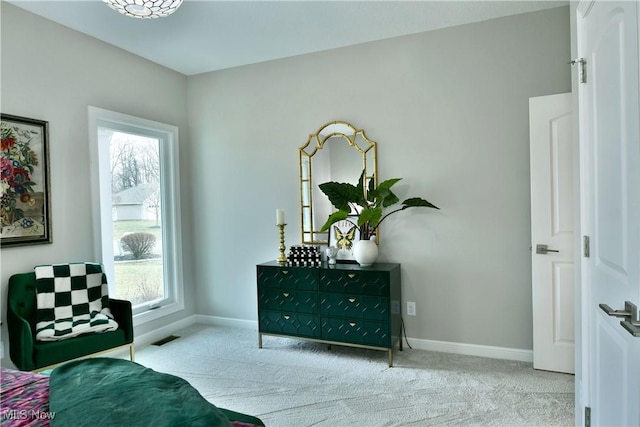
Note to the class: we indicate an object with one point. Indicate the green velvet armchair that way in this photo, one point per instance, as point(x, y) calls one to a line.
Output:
point(31, 355)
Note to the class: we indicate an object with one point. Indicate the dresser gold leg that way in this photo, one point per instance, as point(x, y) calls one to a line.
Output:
point(391, 357)
point(259, 340)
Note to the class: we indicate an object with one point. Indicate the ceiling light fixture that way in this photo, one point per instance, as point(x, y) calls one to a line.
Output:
point(145, 8)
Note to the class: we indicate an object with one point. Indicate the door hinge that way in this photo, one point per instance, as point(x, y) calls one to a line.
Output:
point(582, 76)
point(587, 416)
point(586, 247)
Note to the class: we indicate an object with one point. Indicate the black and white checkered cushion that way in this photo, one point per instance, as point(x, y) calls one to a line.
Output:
point(71, 299)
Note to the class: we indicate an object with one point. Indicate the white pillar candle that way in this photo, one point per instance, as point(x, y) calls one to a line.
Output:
point(279, 216)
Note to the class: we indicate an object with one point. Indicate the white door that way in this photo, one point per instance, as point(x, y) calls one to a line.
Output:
point(610, 190)
point(550, 128)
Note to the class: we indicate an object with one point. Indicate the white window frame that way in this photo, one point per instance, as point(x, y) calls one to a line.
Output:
point(170, 188)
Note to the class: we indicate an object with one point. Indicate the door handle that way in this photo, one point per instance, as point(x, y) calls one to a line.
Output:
point(630, 313)
point(543, 249)
point(617, 313)
point(632, 327)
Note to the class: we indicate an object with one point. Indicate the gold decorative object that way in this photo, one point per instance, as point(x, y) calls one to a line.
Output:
point(336, 152)
point(282, 258)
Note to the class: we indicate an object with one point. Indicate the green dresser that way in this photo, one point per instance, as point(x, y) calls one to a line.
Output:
point(343, 304)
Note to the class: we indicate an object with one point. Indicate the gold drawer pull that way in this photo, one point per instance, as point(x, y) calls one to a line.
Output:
point(285, 271)
point(351, 275)
point(352, 324)
point(287, 317)
point(352, 300)
point(285, 294)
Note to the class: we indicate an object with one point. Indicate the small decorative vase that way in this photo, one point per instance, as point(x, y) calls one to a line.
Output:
point(365, 251)
point(331, 252)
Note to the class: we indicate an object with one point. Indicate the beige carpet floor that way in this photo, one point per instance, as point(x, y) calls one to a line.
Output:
point(293, 383)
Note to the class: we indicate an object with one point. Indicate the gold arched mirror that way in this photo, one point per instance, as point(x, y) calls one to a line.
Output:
point(336, 152)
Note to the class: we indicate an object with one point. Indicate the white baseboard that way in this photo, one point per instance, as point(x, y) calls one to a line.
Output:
point(156, 334)
point(419, 344)
point(473, 350)
point(227, 321)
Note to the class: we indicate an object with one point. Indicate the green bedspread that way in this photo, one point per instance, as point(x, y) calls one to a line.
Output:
point(114, 392)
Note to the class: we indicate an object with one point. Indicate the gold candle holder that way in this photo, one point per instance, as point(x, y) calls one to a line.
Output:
point(282, 258)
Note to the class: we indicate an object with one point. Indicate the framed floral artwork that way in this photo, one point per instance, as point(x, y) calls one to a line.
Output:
point(25, 213)
point(343, 234)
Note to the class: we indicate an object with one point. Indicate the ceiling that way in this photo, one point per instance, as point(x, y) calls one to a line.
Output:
point(211, 35)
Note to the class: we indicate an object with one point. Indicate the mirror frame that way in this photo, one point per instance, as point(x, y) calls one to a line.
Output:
point(366, 147)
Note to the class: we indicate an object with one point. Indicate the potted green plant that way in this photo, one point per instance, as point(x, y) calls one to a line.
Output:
point(371, 207)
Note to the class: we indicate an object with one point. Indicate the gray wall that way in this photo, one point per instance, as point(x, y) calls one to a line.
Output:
point(52, 73)
point(449, 109)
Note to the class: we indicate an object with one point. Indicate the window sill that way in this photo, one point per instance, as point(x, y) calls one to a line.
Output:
point(157, 313)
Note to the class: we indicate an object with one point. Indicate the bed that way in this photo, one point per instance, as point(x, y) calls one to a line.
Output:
point(108, 391)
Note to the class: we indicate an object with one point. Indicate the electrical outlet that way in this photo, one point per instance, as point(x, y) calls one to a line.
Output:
point(411, 308)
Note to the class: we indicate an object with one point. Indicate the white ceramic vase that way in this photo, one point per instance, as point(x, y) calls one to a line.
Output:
point(365, 251)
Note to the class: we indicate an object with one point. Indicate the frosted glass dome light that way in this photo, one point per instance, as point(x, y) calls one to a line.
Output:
point(145, 8)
